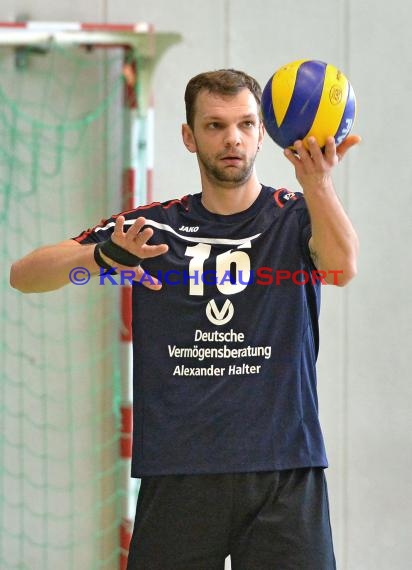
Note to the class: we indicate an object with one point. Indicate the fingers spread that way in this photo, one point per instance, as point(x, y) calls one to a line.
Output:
point(351, 140)
point(118, 227)
point(308, 157)
point(136, 238)
point(135, 228)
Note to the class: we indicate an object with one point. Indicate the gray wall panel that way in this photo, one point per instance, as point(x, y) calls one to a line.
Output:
point(379, 416)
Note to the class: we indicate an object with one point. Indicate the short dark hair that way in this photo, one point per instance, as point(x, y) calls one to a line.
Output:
point(221, 82)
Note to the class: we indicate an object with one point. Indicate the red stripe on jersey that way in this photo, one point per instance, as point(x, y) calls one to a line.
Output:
point(89, 231)
point(173, 202)
point(276, 196)
point(164, 205)
point(183, 201)
point(82, 236)
point(282, 196)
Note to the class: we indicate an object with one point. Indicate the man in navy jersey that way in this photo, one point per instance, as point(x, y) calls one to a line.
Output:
point(226, 298)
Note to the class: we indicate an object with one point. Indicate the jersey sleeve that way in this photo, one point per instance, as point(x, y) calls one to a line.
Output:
point(100, 232)
point(305, 231)
point(286, 199)
point(296, 201)
point(103, 230)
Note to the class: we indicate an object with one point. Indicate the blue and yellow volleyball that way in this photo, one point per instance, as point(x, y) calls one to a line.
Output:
point(308, 98)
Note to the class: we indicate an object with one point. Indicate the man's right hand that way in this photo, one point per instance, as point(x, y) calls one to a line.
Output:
point(135, 242)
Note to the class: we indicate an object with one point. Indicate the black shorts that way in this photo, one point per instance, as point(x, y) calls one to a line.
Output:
point(266, 521)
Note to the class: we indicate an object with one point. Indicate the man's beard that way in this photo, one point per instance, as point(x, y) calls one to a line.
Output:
point(232, 176)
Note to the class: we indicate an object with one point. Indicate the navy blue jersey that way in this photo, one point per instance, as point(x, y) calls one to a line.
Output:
point(225, 352)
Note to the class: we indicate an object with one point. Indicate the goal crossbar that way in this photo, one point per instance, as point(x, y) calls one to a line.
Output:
point(138, 36)
point(149, 45)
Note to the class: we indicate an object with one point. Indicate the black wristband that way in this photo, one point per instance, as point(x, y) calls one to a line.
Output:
point(119, 254)
point(101, 262)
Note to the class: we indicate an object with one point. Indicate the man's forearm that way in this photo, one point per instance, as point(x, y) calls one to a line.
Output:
point(48, 268)
point(334, 244)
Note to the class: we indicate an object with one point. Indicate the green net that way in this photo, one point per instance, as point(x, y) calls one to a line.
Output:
point(62, 149)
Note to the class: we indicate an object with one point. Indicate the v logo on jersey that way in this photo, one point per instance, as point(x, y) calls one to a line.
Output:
point(222, 316)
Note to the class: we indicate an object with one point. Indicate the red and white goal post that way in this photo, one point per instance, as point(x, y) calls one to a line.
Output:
point(141, 40)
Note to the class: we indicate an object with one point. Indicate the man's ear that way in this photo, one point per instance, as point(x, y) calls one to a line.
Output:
point(261, 133)
point(188, 138)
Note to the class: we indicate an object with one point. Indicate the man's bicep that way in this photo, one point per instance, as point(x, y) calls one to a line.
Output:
point(313, 253)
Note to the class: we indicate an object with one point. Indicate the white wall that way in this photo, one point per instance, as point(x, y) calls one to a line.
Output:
point(365, 382)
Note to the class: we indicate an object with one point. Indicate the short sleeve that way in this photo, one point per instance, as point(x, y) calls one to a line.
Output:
point(100, 232)
point(305, 228)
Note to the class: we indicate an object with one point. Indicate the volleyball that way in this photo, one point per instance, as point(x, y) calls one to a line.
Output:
point(308, 98)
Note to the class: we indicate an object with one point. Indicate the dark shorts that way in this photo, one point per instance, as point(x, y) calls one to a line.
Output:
point(266, 521)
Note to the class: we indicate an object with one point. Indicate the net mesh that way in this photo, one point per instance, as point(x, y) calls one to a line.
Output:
point(62, 149)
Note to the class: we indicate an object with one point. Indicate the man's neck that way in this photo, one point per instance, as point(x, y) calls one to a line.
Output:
point(225, 200)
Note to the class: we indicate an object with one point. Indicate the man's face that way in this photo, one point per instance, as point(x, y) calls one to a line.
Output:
point(226, 134)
